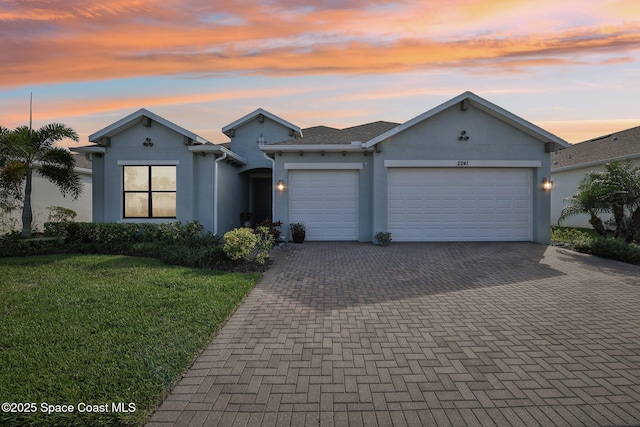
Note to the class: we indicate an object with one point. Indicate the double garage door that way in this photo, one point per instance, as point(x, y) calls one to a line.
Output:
point(460, 204)
point(424, 204)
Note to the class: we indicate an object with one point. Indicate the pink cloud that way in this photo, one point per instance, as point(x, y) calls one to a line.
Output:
point(60, 41)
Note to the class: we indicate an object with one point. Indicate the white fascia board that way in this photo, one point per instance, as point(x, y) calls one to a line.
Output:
point(148, 162)
point(132, 119)
point(312, 147)
point(242, 120)
point(216, 149)
point(89, 150)
point(323, 166)
point(462, 163)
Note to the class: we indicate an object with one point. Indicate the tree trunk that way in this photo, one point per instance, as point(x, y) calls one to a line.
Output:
point(27, 214)
point(634, 226)
point(618, 216)
point(596, 222)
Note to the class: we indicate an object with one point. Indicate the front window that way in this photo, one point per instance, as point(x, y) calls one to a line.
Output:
point(149, 191)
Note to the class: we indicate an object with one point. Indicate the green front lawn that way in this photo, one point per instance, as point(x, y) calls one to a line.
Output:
point(103, 330)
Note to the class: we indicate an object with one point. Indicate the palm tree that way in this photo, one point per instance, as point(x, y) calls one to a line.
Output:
point(620, 182)
point(588, 200)
point(24, 150)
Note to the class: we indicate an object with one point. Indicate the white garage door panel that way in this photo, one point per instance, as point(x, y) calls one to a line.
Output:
point(454, 204)
point(326, 201)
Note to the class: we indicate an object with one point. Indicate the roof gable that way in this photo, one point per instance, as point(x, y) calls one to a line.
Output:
point(617, 145)
point(465, 100)
point(230, 128)
point(138, 117)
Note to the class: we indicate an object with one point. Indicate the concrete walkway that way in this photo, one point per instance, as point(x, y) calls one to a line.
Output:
point(423, 334)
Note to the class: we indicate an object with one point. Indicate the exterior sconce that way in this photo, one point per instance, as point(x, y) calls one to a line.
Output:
point(147, 142)
point(463, 136)
point(547, 184)
point(281, 186)
point(261, 140)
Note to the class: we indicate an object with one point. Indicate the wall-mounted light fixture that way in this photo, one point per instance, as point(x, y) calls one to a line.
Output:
point(261, 140)
point(147, 142)
point(547, 184)
point(281, 186)
point(463, 136)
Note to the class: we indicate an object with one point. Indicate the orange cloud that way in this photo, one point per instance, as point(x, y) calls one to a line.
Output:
point(87, 40)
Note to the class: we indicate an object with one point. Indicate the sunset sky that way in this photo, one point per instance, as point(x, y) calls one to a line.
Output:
point(569, 66)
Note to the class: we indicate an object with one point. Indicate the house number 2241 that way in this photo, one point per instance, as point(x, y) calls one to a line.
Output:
point(463, 162)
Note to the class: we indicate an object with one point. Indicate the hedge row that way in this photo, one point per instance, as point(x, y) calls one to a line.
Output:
point(173, 243)
point(609, 248)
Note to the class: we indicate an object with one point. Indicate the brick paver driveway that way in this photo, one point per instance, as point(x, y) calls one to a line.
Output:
point(424, 334)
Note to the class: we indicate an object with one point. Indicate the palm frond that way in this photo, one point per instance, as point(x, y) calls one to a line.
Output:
point(57, 156)
point(49, 134)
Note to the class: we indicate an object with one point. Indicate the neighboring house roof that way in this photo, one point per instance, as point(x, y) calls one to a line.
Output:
point(618, 145)
point(482, 104)
point(82, 162)
point(327, 135)
point(135, 118)
point(229, 129)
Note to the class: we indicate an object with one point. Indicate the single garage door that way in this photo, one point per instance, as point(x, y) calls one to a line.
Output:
point(460, 204)
point(326, 201)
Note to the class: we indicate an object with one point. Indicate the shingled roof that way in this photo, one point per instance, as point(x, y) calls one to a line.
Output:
point(328, 135)
point(82, 162)
point(617, 145)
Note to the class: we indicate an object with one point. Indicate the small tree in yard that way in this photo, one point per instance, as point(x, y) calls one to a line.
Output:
point(24, 150)
point(588, 200)
point(616, 189)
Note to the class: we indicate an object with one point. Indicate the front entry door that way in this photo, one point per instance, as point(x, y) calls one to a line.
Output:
point(261, 193)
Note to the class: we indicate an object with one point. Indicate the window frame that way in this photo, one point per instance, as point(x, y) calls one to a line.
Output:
point(149, 192)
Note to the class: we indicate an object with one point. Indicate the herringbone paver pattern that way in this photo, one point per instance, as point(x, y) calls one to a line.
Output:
point(423, 334)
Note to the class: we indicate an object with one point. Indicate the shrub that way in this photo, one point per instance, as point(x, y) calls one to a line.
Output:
point(240, 243)
point(265, 243)
point(577, 239)
point(273, 227)
point(383, 238)
point(248, 245)
point(60, 214)
point(617, 250)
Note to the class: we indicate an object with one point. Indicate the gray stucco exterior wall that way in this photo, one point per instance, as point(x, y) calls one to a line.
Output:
point(490, 139)
point(434, 139)
point(365, 190)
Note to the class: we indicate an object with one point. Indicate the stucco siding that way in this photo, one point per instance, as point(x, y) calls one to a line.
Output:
point(127, 148)
point(204, 189)
point(232, 199)
point(245, 141)
point(327, 160)
point(437, 138)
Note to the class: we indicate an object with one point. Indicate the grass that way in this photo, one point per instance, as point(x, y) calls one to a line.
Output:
point(103, 329)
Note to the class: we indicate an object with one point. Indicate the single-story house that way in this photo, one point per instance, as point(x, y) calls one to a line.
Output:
point(570, 165)
point(466, 170)
point(45, 195)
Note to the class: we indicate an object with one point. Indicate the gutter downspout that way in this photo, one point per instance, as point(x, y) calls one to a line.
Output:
point(215, 192)
point(273, 185)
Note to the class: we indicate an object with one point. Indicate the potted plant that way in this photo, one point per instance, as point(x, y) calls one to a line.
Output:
point(245, 217)
point(298, 231)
